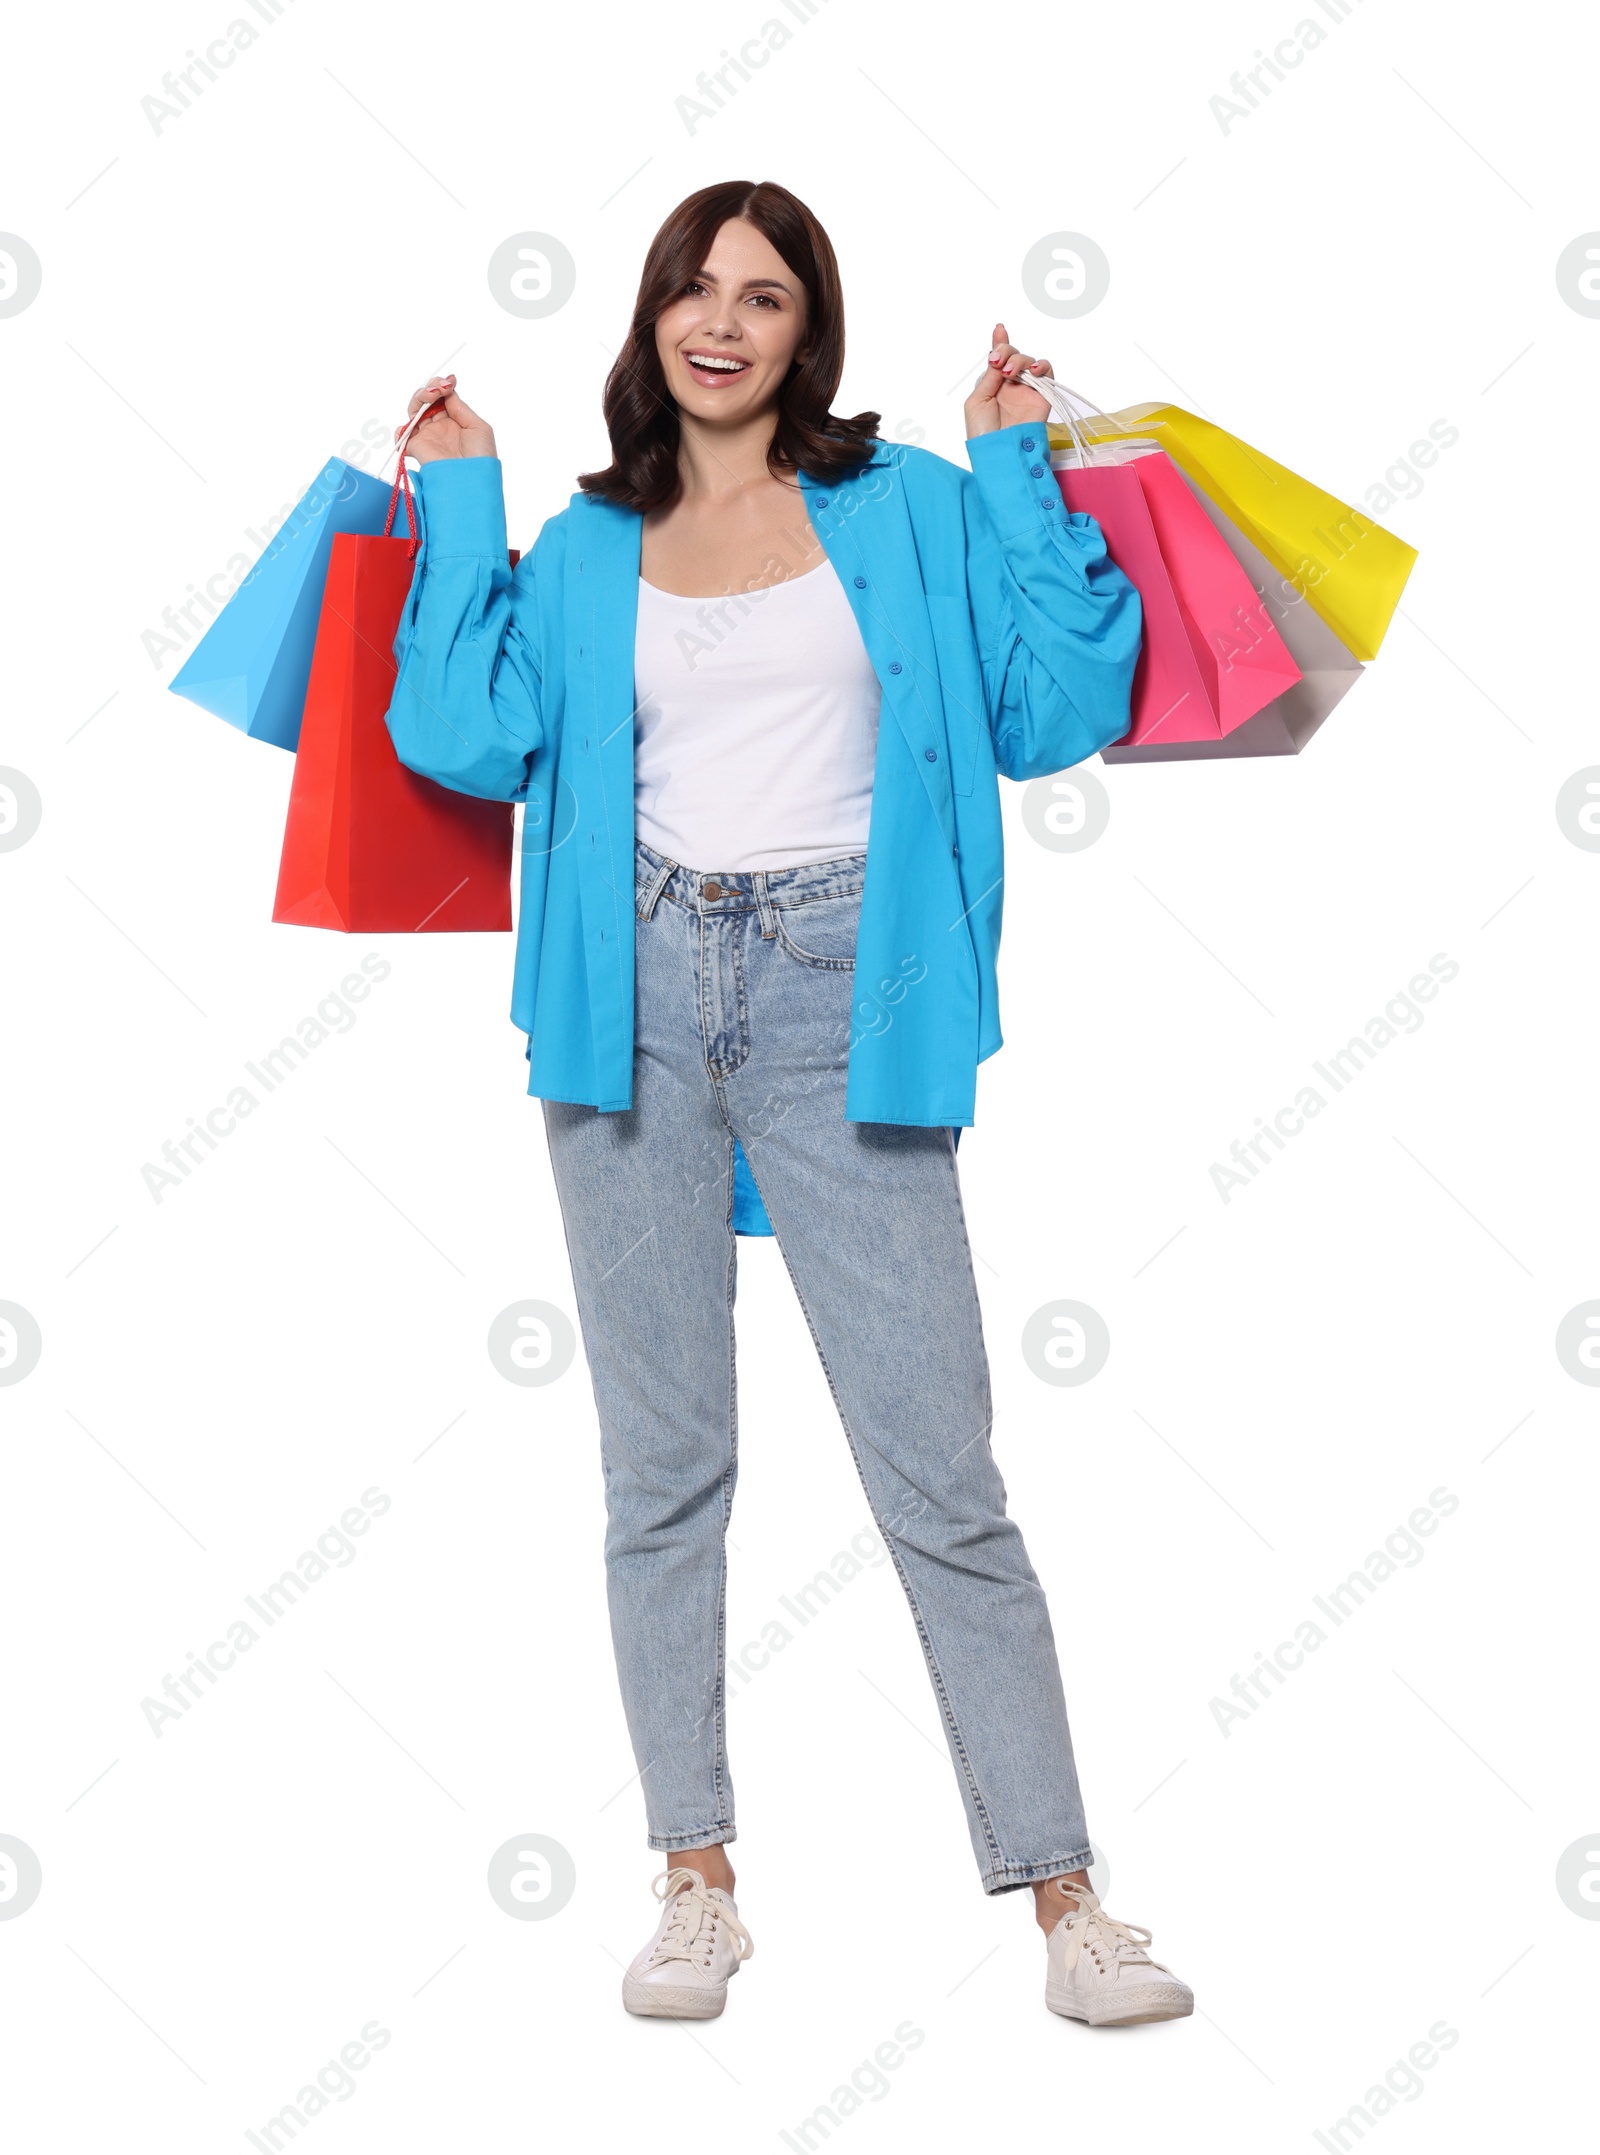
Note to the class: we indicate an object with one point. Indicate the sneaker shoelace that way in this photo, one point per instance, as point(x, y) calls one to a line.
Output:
point(1106, 1939)
point(691, 1931)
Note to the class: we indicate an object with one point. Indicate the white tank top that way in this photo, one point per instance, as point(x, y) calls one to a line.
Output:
point(755, 727)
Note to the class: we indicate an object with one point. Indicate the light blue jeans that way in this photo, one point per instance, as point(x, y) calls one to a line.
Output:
point(743, 1014)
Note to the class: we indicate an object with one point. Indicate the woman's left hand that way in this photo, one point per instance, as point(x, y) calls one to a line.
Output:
point(1000, 398)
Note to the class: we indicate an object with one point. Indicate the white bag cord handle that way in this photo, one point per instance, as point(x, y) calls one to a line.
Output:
point(426, 412)
point(1071, 409)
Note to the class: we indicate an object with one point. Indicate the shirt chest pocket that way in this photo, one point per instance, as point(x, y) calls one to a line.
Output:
point(961, 687)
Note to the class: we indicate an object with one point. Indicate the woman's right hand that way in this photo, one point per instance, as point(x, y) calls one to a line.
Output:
point(454, 430)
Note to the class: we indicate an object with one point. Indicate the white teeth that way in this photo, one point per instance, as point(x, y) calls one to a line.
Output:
point(722, 366)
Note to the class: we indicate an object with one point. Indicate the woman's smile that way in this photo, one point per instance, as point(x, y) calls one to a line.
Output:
point(713, 368)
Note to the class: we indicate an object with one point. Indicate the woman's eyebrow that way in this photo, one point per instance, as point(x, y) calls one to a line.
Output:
point(750, 284)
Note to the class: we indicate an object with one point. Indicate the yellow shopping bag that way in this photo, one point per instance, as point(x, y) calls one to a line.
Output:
point(1349, 569)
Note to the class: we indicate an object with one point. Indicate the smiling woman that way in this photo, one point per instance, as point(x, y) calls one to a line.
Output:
point(740, 293)
point(758, 974)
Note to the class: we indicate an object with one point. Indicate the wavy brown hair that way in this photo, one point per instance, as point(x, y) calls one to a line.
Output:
point(641, 415)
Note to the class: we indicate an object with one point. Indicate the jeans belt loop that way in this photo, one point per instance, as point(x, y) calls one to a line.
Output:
point(769, 918)
point(646, 904)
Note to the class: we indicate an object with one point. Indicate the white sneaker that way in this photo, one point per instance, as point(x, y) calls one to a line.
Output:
point(1099, 1971)
point(683, 1972)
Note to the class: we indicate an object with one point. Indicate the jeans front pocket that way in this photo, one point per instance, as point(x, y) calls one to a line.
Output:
point(821, 931)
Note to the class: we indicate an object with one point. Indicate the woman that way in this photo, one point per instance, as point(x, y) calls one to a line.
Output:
point(754, 685)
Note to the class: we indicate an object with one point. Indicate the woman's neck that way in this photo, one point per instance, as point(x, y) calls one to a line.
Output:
point(719, 462)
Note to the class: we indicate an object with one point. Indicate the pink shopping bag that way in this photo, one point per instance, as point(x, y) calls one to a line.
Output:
point(1243, 660)
point(1328, 668)
point(1169, 701)
point(1211, 658)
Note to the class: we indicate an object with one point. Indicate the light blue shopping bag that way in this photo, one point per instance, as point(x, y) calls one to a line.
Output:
point(252, 665)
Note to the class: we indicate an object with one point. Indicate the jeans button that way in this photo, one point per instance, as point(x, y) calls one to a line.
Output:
point(711, 890)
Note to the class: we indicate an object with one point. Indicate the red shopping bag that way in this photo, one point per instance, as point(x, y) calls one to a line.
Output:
point(370, 847)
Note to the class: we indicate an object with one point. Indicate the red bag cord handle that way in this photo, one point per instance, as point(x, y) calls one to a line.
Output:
point(402, 485)
point(402, 481)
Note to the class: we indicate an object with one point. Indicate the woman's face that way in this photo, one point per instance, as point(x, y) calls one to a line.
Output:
point(728, 340)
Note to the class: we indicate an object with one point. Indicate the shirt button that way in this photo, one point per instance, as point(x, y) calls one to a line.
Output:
point(822, 501)
point(1036, 471)
point(1049, 500)
point(860, 582)
point(1027, 441)
point(955, 853)
point(894, 665)
point(932, 754)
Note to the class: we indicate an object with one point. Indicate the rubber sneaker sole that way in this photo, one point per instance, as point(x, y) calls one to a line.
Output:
point(672, 2001)
point(1150, 2001)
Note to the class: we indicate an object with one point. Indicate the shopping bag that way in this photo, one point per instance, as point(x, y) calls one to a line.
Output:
point(1210, 657)
point(1168, 699)
point(1328, 669)
point(1244, 662)
point(369, 846)
point(749, 1213)
point(1349, 569)
point(251, 666)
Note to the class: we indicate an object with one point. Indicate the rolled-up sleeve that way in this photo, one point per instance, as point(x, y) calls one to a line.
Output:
point(1058, 623)
point(466, 704)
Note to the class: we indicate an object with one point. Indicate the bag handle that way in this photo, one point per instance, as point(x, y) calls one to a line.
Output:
point(402, 479)
point(1071, 409)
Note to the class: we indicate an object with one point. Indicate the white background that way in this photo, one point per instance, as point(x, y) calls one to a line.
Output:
point(224, 303)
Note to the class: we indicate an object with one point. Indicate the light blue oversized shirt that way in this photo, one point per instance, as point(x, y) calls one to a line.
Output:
point(1003, 636)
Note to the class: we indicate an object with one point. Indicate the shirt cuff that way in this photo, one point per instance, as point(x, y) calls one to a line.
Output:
point(463, 502)
point(1012, 468)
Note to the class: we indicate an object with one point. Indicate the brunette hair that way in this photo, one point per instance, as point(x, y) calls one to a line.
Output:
point(641, 416)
